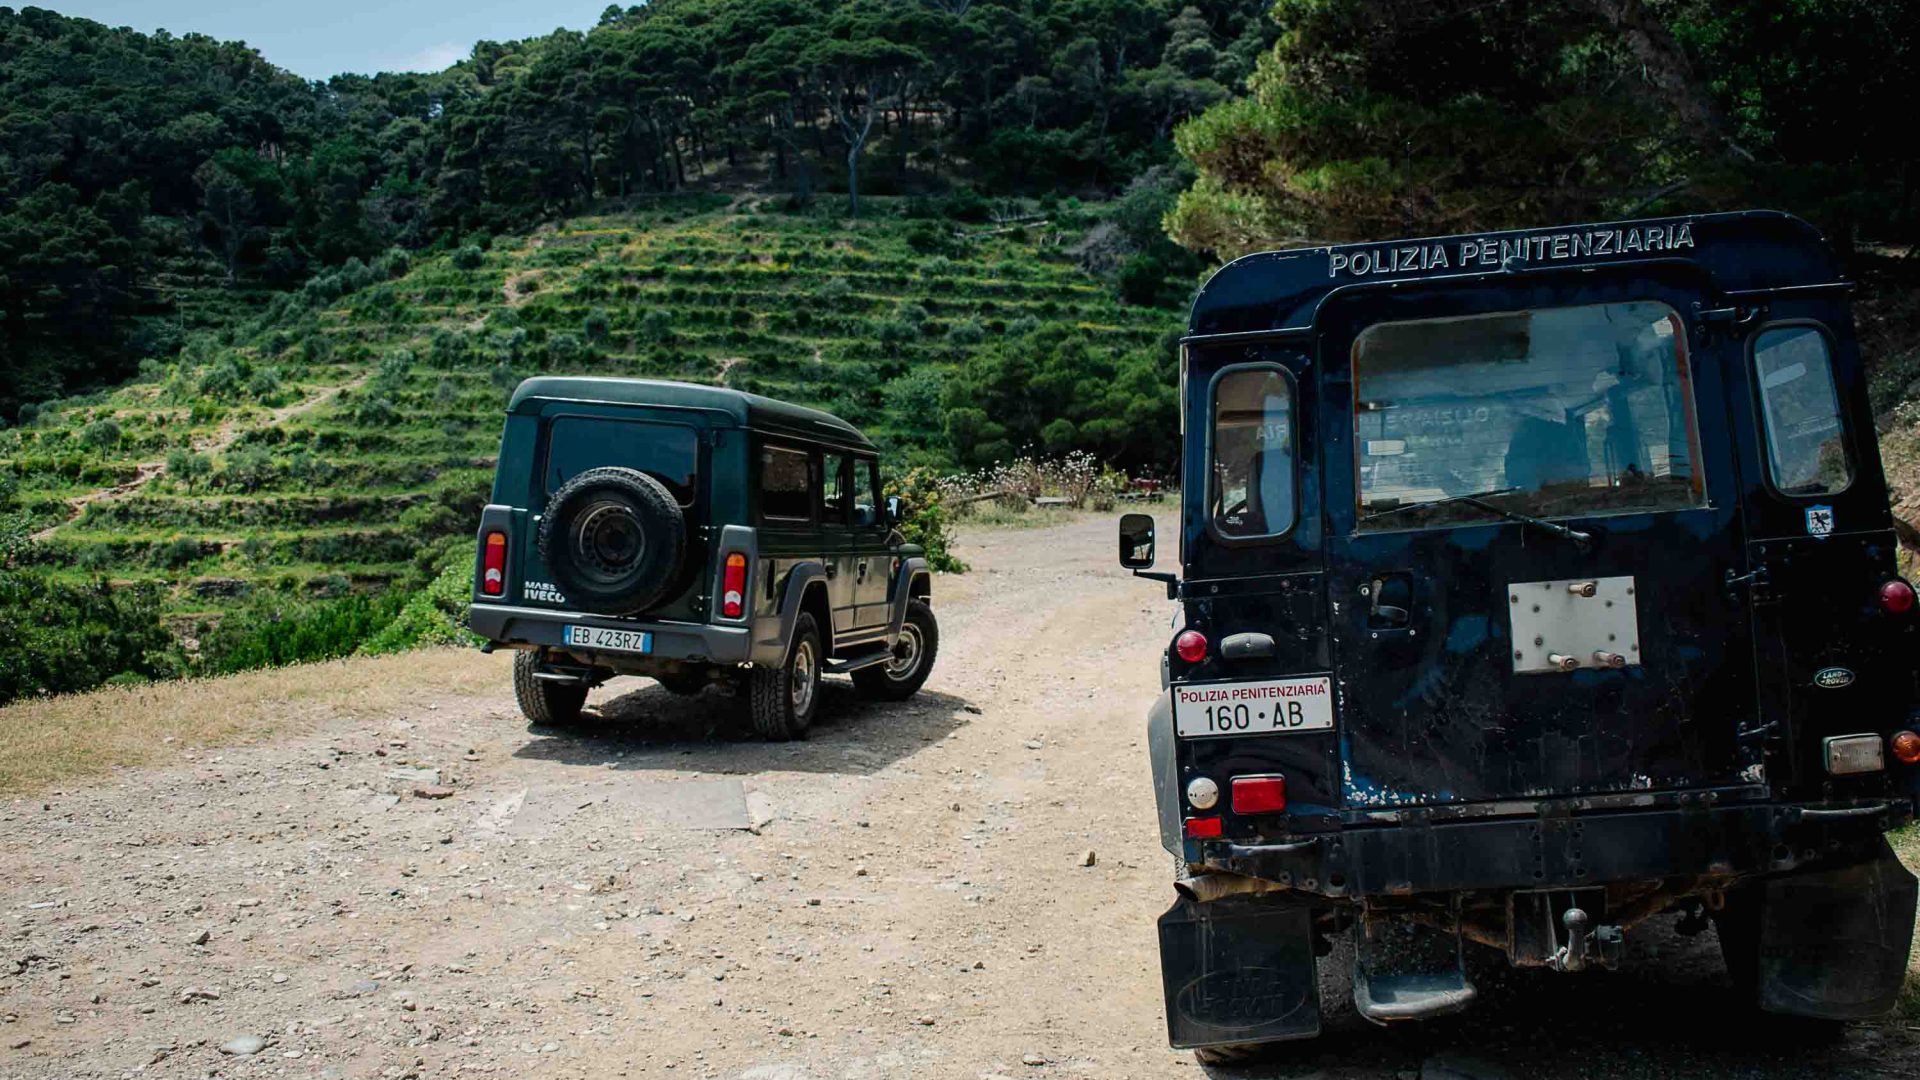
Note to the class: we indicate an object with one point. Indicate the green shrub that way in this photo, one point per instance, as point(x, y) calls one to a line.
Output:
point(597, 325)
point(276, 631)
point(103, 434)
point(469, 258)
point(436, 615)
point(966, 332)
point(57, 638)
point(924, 518)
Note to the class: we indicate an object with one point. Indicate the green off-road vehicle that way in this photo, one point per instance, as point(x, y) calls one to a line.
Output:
point(695, 535)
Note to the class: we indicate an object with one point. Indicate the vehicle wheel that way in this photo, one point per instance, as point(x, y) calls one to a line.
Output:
point(901, 677)
point(783, 699)
point(543, 702)
point(685, 684)
point(614, 540)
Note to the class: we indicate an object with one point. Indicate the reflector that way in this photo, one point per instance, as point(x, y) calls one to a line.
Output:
point(1203, 828)
point(1896, 596)
point(1259, 794)
point(1906, 747)
point(1191, 646)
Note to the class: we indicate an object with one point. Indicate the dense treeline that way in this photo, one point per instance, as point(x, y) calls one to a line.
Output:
point(138, 173)
point(1377, 118)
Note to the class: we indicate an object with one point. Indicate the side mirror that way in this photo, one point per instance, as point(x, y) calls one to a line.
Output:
point(1136, 541)
point(893, 509)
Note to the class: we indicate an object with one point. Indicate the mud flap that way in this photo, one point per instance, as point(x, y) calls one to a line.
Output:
point(1834, 943)
point(1403, 970)
point(1238, 971)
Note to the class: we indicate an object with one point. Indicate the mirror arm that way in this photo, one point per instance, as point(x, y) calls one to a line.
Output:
point(1172, 581)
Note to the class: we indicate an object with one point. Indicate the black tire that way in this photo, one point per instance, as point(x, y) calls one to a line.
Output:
point(542, 702)
point(614, 541)
point(783, 700)
point(902, 677)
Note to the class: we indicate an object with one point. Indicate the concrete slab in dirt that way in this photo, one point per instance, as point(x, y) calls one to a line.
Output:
point(646, 804)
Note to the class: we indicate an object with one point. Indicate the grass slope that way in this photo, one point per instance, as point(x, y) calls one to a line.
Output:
point(348, 435)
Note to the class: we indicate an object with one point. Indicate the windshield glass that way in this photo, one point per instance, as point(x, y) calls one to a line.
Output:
point(1558, 412)
point(667, 452)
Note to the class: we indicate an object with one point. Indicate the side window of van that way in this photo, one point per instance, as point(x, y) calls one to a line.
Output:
point(1253, 474)
point(865, 491)
point(1806, 454)
point(786, 485)
point(833, 501)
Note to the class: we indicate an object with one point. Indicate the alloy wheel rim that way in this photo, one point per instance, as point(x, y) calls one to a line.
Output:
point(803, 677)
point(906, 653)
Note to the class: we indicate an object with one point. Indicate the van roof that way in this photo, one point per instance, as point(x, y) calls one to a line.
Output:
point(1749, 251)
point(744, 409)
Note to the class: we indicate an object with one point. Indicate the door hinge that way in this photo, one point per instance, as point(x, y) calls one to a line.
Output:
point(1755, 581)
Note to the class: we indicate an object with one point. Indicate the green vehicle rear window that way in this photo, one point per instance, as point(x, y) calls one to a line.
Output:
point(669, 453)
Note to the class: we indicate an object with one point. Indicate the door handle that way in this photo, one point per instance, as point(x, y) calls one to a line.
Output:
point(862, 575)
point(833, 570)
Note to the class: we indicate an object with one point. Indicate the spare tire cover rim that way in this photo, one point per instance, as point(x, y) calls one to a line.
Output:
point(607, 541)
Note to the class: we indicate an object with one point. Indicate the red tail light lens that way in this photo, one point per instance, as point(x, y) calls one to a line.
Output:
point(733, 587)
point(1906, 747)
point(1191, 646)
point(1896, 596)
point(1259, 794)
point(493, 565)
point(1203, 828)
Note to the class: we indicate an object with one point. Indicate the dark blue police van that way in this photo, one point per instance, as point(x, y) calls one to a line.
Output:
point(1532, 585)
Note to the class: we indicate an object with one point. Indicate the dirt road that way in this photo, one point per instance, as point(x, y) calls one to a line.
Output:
point(912, 901)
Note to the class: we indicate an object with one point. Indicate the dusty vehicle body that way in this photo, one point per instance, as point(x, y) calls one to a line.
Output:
point(694, 534)
point(1532, 584)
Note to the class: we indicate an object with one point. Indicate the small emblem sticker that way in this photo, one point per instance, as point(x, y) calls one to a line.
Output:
point(1819, 521)
point(1832, 678)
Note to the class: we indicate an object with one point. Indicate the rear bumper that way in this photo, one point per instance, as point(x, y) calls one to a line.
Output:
point(1557, 851)
point(693, 642)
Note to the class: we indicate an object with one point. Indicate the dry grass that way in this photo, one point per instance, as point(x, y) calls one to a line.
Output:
point(52, 741)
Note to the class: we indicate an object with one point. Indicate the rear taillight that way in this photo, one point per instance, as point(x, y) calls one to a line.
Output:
point(493, 565)
point(1906, 747)
point(1203, 828)
point(1191, 646)
point(1259, 794)
point(1896, 596)
point(733, 587)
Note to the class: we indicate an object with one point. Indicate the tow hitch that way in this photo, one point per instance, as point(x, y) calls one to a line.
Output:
point(1586, 944)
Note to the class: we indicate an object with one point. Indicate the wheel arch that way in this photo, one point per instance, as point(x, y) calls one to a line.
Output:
point(805, 590)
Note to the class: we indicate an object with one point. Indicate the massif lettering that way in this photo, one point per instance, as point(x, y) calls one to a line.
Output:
point(1494, 252)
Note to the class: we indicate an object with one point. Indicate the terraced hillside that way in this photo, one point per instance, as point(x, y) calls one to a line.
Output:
point(343, 441)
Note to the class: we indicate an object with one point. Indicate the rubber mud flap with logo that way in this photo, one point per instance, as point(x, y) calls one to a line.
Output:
point(1834, 943)
point(1239, 970)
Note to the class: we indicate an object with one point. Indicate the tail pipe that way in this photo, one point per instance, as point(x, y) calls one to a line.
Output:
point(1214, 885)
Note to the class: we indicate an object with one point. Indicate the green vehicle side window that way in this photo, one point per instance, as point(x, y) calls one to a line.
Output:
point(786, 488)
point(1806, 454)
point(833, 500)
point(866, 494)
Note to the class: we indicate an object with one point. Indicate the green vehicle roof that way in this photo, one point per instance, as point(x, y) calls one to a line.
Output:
point(746, 410)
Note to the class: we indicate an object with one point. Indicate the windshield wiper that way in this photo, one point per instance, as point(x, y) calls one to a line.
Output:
point(1581, 540)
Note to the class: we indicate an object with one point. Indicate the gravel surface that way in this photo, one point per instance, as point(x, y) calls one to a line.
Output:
point(961, 886)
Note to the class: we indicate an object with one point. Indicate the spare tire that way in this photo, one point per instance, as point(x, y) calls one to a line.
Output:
point(614, 540)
